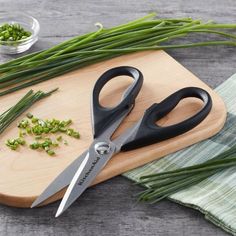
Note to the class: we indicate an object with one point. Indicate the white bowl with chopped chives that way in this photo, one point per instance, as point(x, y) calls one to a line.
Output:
point(18, 32)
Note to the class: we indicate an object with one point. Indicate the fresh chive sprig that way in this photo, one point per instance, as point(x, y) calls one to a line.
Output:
point(146, 33)
point(31, 97)
point(163, 184)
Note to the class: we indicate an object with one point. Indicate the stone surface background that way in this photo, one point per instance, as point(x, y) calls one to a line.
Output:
point(110, 208)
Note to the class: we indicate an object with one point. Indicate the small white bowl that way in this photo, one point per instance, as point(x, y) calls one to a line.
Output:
point(29, 23)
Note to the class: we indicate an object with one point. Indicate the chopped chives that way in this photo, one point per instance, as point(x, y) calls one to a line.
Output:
point(39, 129)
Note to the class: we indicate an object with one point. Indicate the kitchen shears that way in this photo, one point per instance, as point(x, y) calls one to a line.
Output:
point(82, 171)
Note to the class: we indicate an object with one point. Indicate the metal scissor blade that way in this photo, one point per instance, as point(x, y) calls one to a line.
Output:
point(89, 169)
point(61, 181)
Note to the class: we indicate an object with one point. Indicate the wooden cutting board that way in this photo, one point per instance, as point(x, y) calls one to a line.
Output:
point(24, 174)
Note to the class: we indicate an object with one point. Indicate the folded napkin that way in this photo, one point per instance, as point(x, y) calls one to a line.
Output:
point(215, 197)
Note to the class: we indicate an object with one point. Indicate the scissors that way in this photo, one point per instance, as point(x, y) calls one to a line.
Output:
point(82, 171)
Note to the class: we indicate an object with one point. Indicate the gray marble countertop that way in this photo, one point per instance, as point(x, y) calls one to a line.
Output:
point(110, 208)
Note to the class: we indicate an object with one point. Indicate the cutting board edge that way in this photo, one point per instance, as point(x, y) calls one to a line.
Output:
point(26, 201)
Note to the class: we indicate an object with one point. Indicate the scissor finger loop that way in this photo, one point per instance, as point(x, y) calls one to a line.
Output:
point(80, 174)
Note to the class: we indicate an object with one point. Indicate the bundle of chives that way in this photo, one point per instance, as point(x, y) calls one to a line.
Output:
point(147, 33)
point(7, 117)
point(162, 185)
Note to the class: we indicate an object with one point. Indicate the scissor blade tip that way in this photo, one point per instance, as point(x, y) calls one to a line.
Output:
point(34, 204)
point(58, 213)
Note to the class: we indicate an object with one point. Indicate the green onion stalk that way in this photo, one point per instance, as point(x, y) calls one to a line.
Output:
point(146, 33)
point(163, 184)
point(30, 98)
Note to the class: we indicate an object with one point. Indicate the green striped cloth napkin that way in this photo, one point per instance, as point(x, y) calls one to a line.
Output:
point(215, 197)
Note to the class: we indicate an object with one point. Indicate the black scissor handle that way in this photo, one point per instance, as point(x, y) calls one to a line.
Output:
point(148, 132)
point(102, 117)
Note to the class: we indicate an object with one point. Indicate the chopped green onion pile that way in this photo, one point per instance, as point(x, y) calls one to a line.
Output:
point(147, 33)
point(13, 32)
point(40, 129)
point(162, 185)
point(7, 117)
point(13, 144)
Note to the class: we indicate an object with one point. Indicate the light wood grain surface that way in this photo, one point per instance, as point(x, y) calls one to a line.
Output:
point(25, 173)
point(110, 208)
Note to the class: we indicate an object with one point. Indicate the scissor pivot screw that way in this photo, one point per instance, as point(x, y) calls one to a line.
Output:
point(102, 148)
